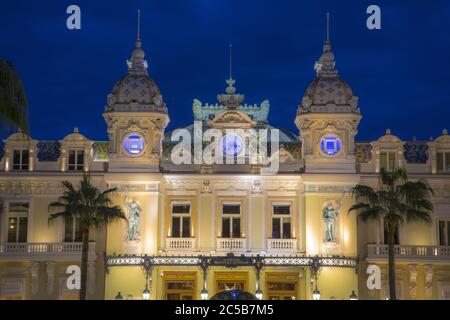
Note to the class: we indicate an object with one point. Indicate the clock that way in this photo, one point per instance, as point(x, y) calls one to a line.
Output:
point(232, 145)
point(330, 145)
point(134, 144)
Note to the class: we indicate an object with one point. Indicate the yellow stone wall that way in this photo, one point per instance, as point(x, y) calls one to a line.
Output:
point(256, 224)
point(40, 230)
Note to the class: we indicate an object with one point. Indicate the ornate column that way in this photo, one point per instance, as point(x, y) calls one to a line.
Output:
point(50, 267)
point(412, 271)
point(34, 277)
point(428, 280)
point(91, 277)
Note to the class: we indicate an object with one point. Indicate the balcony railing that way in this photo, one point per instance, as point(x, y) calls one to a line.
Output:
point(376, 251)
point(231, 244)
point(40, 248)
point(282, 244)
point(180, 243)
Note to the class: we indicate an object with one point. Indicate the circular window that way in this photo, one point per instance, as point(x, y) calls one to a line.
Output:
point(330, 145)
point(134, 144)
point(232, 145)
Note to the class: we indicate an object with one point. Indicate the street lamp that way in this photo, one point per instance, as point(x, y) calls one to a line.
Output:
point(315, 269)
point(316, 293)
point(204, 294)
point(119, 296)
point(146, 294)
point(259, 294)
point(353, 296)
point(204, 265)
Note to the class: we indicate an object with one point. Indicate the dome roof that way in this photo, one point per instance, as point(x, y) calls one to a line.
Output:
point(136, 91)
point(328, 88)
point(138, 88)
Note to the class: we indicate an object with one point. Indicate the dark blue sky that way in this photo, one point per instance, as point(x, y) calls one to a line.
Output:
point(401, 73)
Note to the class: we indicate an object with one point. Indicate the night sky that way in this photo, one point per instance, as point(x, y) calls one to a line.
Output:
point(401, 73)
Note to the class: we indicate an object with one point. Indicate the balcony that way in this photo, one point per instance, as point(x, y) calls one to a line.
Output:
point(43, 250)
point(409, 253)
point(180, 244)
point(281, 245)
point(231, 244)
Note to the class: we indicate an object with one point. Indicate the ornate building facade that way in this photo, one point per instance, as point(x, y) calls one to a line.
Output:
point(198, 228)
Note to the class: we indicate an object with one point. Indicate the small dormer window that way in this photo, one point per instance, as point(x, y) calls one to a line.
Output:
point(21, 160)
point(387, 161)
point(76, 160)
point(443, 161)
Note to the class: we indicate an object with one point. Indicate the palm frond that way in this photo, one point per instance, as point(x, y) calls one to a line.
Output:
point(106, 215)
point(13, 103)
point(365, 193)
point(370, 214)
point(418, 215)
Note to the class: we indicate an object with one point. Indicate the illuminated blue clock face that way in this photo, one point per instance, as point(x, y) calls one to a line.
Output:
point(330, 145)
point(232, 145)
point(134, 144)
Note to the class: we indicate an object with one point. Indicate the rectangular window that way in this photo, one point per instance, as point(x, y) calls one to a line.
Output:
point(440, 162)
point(21, 160)
point(387, 161)
point(76, 160)
point(444, 232)
point(72, 230)
point(231, 221)
point(281, 290)
point(443, 161)
point(281, 221)
point(18, 222)
point(396, 235)
point(180, 290)
point(181, 220)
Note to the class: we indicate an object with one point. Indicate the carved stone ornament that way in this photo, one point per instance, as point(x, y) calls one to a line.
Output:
point(256, 187)
point(206, 186)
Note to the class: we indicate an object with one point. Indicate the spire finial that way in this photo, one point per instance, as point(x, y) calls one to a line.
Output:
point(230, 88)
point(230, 98)
point(231, 61)
point(138, 63)
point(325, 65)
point(328, 26)
point(139, 24)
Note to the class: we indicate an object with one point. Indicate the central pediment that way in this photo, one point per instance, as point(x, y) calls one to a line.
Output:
point(232, 119)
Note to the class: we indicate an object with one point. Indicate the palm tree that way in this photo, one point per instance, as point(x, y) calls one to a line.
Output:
point(13, 103)
point(92, 207)
point(396, 200)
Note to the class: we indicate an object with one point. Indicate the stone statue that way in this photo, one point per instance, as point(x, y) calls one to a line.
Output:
point(330, 212)
point(134, 218)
